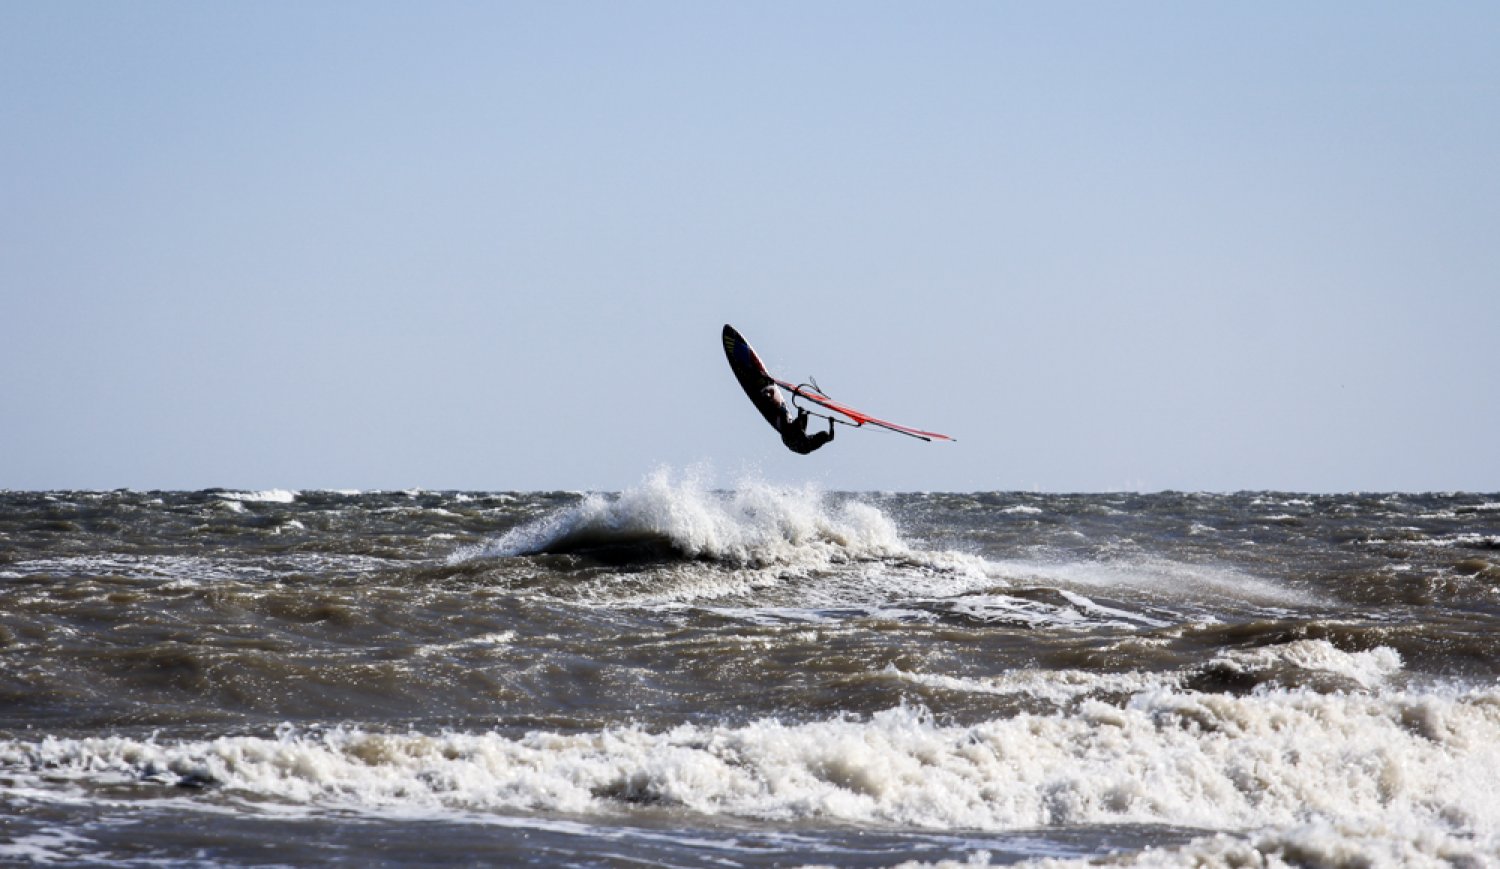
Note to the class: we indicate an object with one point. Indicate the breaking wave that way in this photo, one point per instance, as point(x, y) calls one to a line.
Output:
point(776, 552)
point(665, 518)
point(1276, 758)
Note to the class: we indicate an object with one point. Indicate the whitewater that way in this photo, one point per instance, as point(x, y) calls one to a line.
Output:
point(749, 675)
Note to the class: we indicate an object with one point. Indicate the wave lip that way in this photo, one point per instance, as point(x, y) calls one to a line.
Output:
point(663, 519)
point(267, 496)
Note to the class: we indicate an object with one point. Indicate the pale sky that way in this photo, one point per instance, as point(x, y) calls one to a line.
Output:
point(1197, 246)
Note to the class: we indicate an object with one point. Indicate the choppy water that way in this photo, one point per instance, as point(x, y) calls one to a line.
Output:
point(678, 675)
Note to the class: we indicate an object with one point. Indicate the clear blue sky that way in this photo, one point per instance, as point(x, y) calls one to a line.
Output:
point(1201, 246)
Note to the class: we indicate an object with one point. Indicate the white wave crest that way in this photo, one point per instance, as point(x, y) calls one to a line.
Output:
point(1316, 664)
point(1366, 669)
point(268, 496)
point(754, 524)
point(1279, 759)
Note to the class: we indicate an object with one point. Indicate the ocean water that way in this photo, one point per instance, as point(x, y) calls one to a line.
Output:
point(686, 675)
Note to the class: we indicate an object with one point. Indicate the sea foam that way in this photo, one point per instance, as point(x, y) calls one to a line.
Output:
point(1272, 760)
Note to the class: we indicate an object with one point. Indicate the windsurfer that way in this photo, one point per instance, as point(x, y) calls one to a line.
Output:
point(794, 428)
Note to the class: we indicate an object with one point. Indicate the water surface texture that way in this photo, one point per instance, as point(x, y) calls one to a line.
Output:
point(760, 676)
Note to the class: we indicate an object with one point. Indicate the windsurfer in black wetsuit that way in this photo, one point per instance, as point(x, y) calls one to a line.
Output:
point(794, 429)
point(794, 434)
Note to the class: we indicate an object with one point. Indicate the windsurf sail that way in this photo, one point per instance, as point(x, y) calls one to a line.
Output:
point(754, 378)
point(859, 417)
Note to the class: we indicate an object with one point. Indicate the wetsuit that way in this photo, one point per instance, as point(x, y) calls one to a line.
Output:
point(793, 429)
point(794, 434)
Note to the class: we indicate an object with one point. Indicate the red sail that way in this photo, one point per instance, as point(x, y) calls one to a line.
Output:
point(859, 416)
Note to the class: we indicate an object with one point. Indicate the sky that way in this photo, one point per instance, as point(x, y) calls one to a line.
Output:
point(491, 246)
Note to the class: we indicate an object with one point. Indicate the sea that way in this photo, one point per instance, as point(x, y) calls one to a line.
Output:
point(703, 674)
